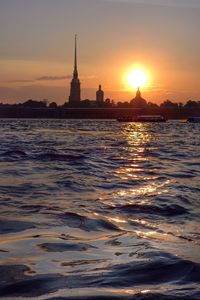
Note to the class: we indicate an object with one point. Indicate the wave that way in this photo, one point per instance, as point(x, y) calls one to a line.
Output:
point(62, 247)
point(9, 226)
point(137, 296)
point(59, 156)
point(14, 153)
point(18, 154)
point(88, 224)
point(159, 270)
point(153, 270)
point(169, 210)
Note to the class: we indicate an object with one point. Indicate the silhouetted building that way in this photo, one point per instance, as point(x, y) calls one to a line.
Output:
point(138, 101)
point(100, 96)
point(75, 90)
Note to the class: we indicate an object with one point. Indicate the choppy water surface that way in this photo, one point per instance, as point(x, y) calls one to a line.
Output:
point(99, 210)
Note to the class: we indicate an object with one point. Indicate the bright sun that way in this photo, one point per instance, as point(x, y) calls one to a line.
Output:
point(137, 78)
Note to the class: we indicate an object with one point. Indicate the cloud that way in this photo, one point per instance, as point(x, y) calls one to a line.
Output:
point(52, 78)
point(42, 78)
point(49, 78)
point(21, 81)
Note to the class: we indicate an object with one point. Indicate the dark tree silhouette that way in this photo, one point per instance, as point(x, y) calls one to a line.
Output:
point(34, 104)
point(53, 105)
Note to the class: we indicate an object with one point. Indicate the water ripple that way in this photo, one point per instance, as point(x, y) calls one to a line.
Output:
point(99, 210)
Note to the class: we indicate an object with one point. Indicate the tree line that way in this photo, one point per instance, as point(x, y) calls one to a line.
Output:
point(107, 109)
point(141, 104)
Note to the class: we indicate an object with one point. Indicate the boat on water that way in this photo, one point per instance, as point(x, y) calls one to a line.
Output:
point(194, 119)
point(142, 118)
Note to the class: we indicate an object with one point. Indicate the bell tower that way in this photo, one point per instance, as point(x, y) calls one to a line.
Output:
point(99, 95)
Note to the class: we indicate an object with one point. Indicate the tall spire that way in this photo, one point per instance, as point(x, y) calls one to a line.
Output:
point(75, 75)
point(75, 90)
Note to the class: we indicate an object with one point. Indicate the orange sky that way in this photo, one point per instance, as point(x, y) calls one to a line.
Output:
point(37, 40)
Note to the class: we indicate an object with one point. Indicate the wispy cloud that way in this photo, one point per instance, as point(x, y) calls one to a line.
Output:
point(21, 81)
point(49, 78)
point(52, 78)
point(42, 78)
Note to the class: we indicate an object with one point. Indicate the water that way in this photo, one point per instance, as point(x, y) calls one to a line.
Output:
point(99, 210)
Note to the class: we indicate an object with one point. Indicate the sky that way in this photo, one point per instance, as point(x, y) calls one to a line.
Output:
point(114, 36)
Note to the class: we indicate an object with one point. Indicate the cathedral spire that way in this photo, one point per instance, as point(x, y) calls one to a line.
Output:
point(75, 90)
point(75, 75)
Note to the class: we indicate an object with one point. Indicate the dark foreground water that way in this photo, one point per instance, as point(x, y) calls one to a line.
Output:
point(99, 210)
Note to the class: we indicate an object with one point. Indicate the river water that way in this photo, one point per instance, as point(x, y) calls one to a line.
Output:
point(94, 209)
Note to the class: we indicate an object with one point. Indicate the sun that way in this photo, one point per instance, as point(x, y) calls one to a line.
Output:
point(137, 78)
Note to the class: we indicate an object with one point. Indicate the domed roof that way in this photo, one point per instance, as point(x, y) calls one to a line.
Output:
point(138, 101)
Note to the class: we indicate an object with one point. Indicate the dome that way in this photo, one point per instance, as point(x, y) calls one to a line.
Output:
point(138, 101)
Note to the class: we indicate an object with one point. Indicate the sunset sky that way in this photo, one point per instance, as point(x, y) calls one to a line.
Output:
point(158, 36)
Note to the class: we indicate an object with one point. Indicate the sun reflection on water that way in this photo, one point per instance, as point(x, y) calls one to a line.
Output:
point(138, 171)
point(138, 183)
point(137, 135)
point(117, 220)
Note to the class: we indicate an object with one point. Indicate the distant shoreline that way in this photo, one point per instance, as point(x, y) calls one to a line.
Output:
point(90, 113)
